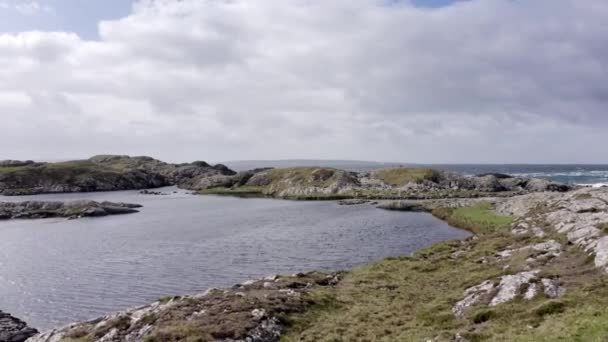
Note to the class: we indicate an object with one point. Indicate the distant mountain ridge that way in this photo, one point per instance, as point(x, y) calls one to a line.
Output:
point(350, 165)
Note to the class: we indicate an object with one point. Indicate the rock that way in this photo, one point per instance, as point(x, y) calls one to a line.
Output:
point(150, 192)
point(208, 182)
point(353, 202)
point(510, 286)
point(552, 288)
point(249, 313)
point(13, 329)
point(72, 209)
point(17, 163)
point(581, 215)
point(601, 252)
point(531, 291)
point(101, 173)
point(541, 185)
point(524, 284)
point(472, 296)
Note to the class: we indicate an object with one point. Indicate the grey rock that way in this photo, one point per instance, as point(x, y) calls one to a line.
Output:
point(13, 329)
point(510, 286)
point(72, 209)
point(472, 296)
point(552, 288)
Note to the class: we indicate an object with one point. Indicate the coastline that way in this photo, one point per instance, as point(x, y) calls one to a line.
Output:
point(517, 278)
point(531, 239)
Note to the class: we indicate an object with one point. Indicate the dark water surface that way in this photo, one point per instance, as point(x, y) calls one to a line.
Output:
point(56, 271)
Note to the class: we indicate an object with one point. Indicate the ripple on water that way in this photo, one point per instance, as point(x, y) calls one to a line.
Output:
point(54, 272)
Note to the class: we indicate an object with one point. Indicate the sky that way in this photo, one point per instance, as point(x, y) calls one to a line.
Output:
point(436, 81)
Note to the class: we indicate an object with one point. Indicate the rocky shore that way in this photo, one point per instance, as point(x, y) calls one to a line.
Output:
point(99, 173)
point(253, 311)
point(71, 209)
point(111, 173)
point(535, 269)
point(13, 329)
point(396, 183)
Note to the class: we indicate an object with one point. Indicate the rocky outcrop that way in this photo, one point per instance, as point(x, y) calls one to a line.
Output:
point(73, 209)
point(407, 183)
point(13, 329)
point(523, 285)
point(581, 215)
point(250, 311)
point(99, 173)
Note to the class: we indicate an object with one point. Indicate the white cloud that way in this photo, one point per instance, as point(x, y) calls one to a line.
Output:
point(483, 80)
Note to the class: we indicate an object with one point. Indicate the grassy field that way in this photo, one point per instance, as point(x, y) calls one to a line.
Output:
point(411, 298)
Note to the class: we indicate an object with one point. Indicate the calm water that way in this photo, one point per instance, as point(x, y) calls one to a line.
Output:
point(54, 272)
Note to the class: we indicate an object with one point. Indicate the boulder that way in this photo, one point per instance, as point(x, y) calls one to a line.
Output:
point(13, 329)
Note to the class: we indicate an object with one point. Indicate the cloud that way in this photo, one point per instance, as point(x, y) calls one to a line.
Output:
point(477, 81)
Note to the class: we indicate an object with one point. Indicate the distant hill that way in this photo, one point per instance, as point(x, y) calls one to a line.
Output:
point(351, 165)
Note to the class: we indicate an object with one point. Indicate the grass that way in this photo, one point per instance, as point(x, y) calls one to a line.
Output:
point(402, 175)
point(303, 177)
point(410, 298)
point(603, 227)
point(479, 219)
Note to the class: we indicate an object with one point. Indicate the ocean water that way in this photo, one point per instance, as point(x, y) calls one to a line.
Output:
point(56, 271)
point(582, 174)
point(589, 175)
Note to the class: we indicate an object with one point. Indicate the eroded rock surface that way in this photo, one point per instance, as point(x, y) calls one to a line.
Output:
point(99, 173)
point(526, 285)
point(581, 215)
point(13, 329)
point(73, 209)
point(248, 312)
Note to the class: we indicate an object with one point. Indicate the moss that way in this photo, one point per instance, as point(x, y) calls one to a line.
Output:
point(483, 316)
point(188, 332)
point(549, 308)
point(583, 196)
point(603, 227)
point(167, 299)
point(402, 175)
point(120, 323)
point(78, 339)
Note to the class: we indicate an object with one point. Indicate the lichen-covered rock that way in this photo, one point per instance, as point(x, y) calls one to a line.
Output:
point(524, 285)
point(582, 215)
point(510, 285)
point(552, 288)
point(247, 312)
point(474, 295)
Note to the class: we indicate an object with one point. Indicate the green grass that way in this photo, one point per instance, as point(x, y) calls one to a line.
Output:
point(410, 298)
point(402, 175)
point(479, 218)
point(11, 169)
point(603, 227)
